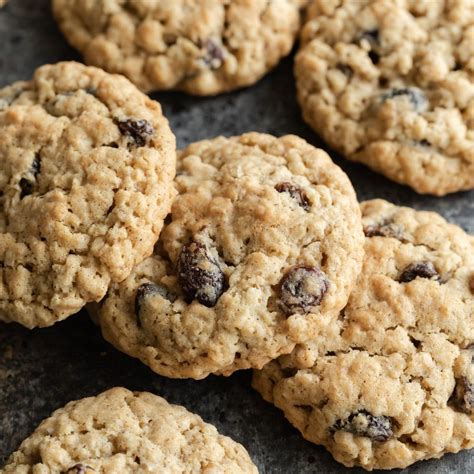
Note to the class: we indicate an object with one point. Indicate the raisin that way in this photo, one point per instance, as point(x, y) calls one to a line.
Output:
point(301, 289)
point(139, 130)
point(26, 187)
point(80, 469)
point(296, 193)
point(27, 184)
point(463, 395)
point(200, 275)
point(421, 270)
point(363, 423)
point(147, 289)
point(425, 143)
point(374, 56)
point(214, 55)
point(384, 229)
point(416, 97)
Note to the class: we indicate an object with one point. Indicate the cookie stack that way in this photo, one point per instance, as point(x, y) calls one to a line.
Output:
point(250, 251)
point(391, 379)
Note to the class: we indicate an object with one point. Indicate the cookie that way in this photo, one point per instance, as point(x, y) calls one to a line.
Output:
point(391, 84)
point(263, 245)
point(86, 178)
point(391, 381)
point(203, 48)
point(120, 431)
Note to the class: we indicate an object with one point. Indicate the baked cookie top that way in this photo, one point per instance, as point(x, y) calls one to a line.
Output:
point(263, 246)
point(391, 381)
point(391, 84)
point(120, 431)
point(86, 178)
point(201, 47)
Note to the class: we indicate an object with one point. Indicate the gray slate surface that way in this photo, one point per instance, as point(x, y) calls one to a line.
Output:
point(42, 370)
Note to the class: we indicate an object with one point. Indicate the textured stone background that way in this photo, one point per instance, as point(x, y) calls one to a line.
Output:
point(42, 370)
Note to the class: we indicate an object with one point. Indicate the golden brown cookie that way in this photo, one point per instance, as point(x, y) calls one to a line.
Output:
point(391, 84)
point(263, 246)
point(201, 47)
point(127, 432)
point(86, 178)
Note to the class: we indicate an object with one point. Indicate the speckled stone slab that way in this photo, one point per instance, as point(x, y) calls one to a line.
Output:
point(44, 369)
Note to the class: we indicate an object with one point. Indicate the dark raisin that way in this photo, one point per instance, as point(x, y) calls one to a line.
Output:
point(416, 97)
point(26, 187)
point(374, 57)
point(363, 423)
point(384, 229)
point(214, 53)
point(345, 69)
point(146, 290)
point(79, 469)
point(301, 289)
point(27, 184)
point(296, 193)
point(463, 395)
point(424, 143)
point(421, 270)
point(90, 90)
point(139, 130)
point(200, 275)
